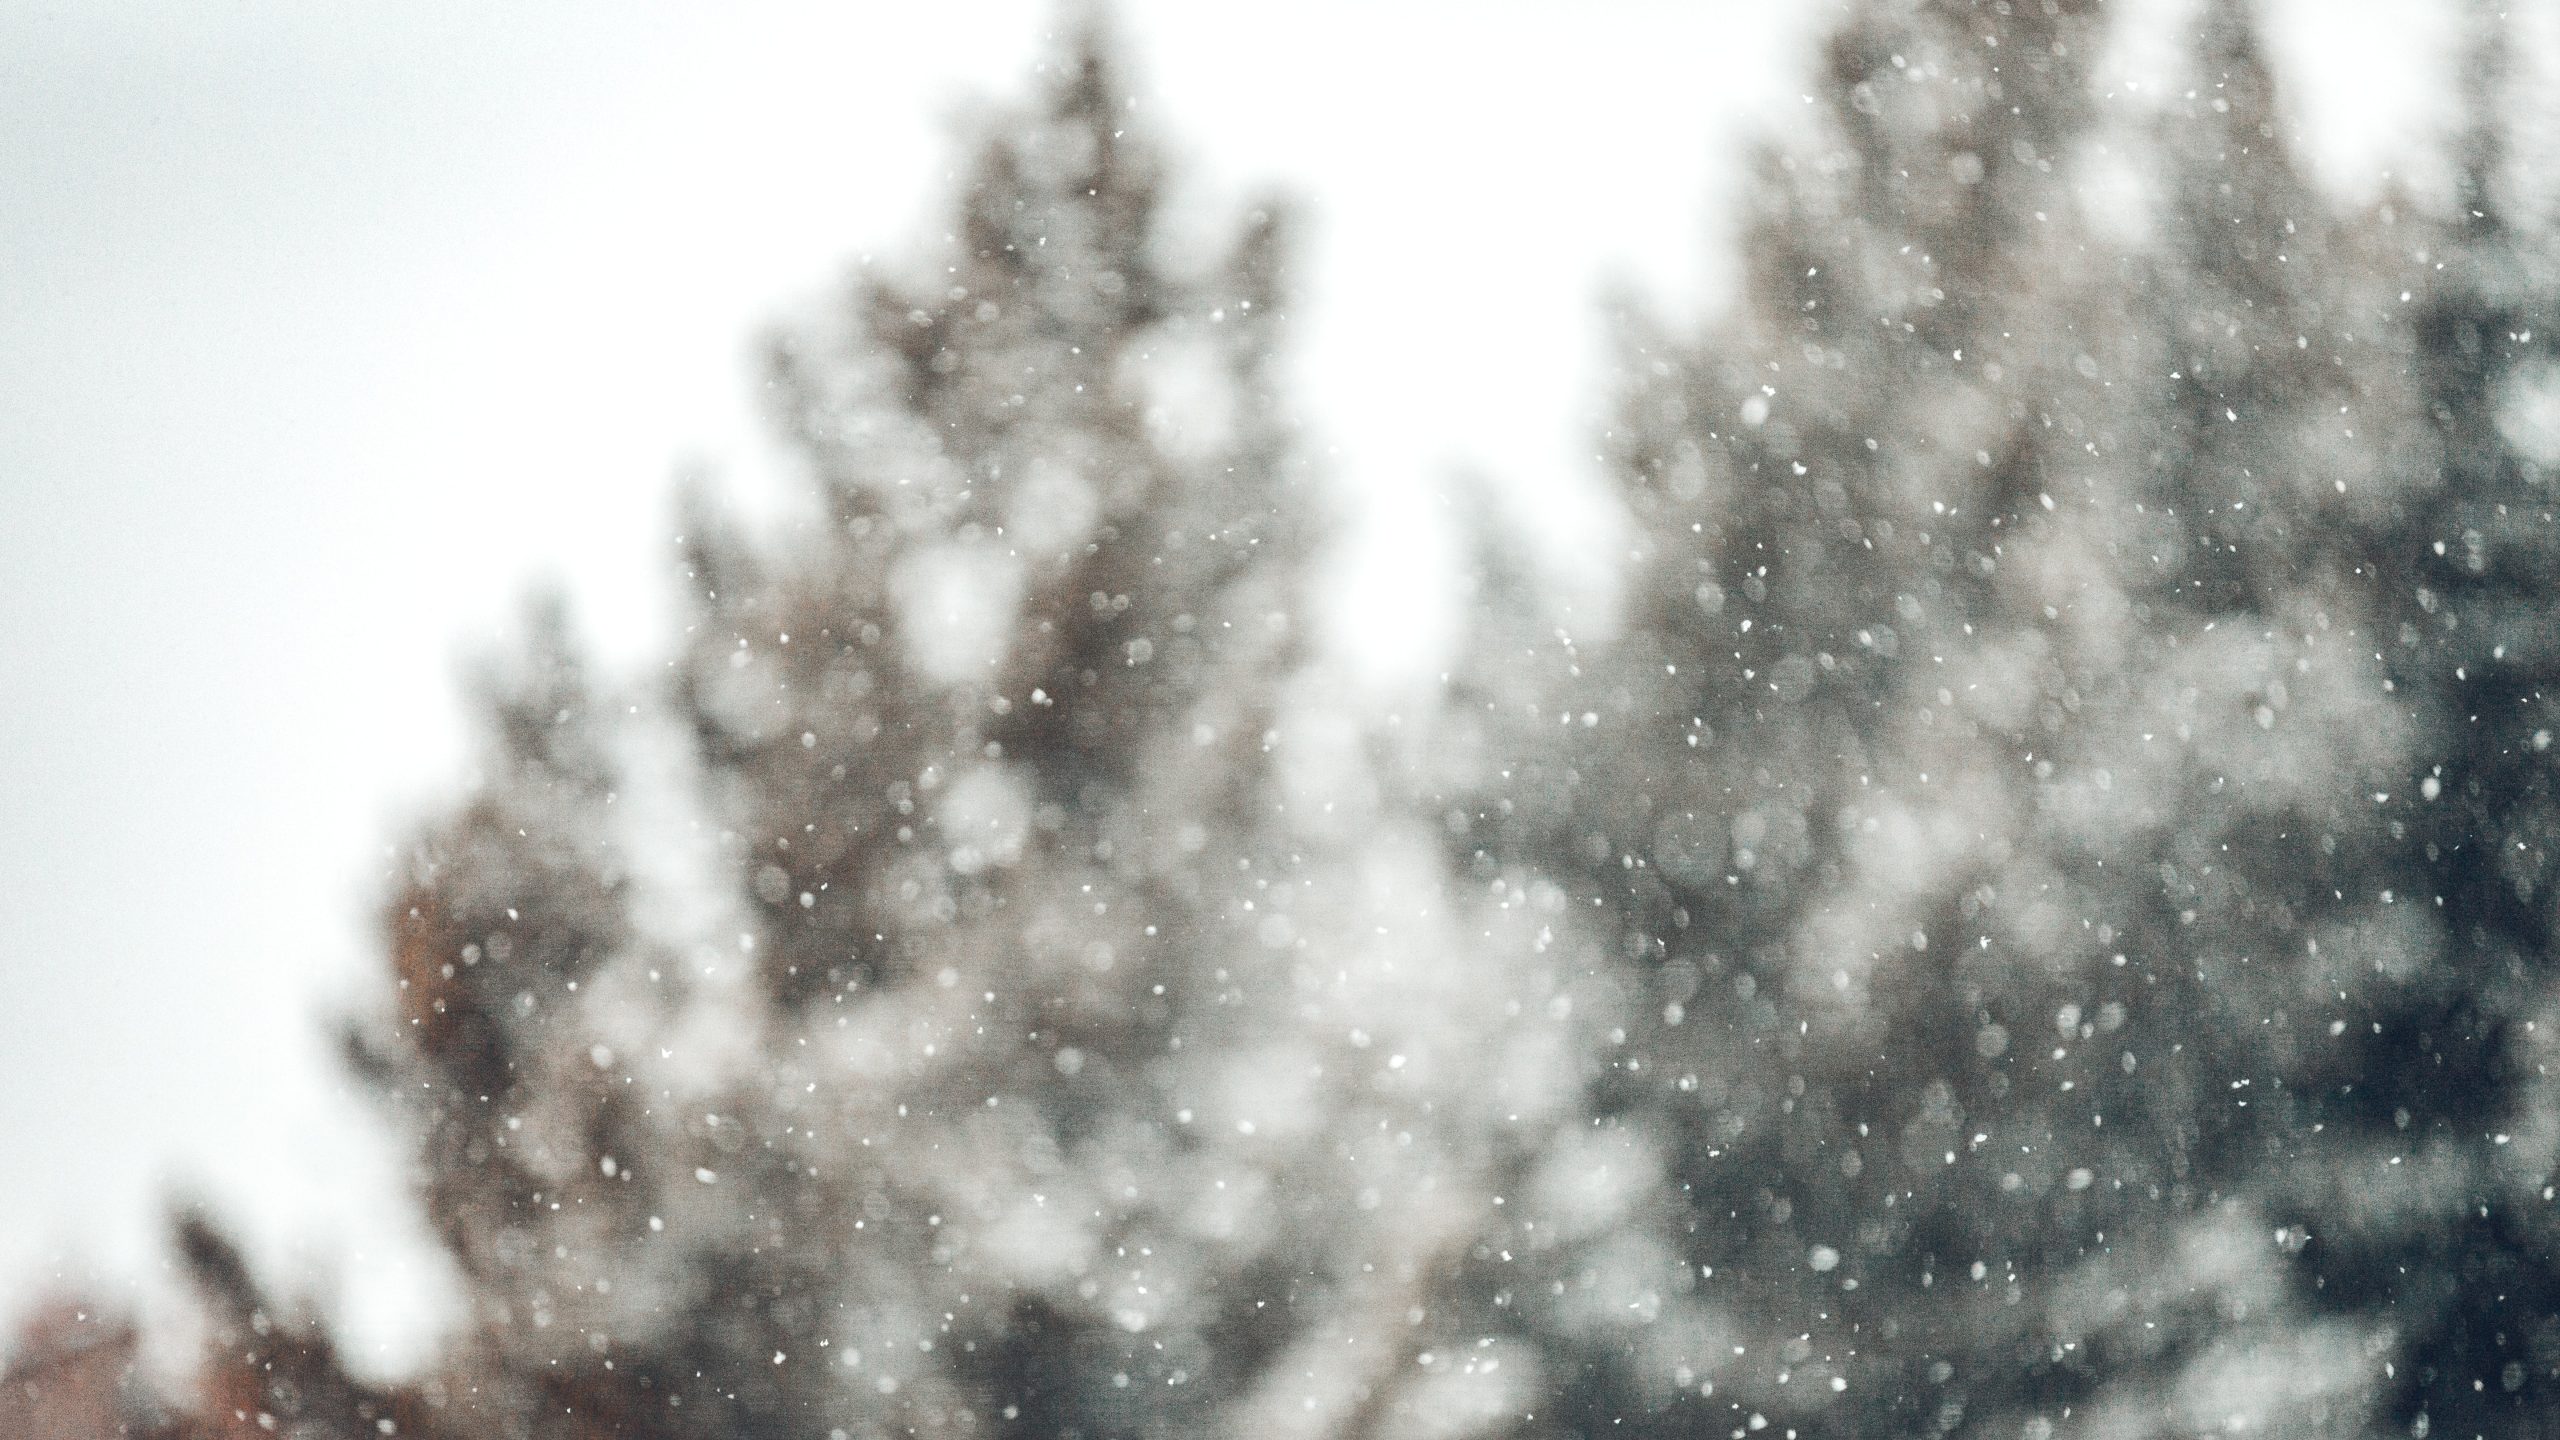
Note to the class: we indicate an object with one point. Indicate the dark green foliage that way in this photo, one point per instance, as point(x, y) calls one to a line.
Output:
point(2024, 777)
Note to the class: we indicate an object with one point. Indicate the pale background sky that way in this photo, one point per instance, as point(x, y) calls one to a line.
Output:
point(323, 332)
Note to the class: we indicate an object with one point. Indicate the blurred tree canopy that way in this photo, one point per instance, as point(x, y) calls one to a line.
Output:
point(2066, 812)
point(2032, 920)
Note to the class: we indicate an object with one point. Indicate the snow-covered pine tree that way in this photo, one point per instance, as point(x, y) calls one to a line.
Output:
point(1977, 807)
point(506, 935)
point(944, 1122)
point(2451, 1232)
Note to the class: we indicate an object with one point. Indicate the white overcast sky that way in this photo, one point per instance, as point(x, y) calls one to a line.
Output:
point(323, 331)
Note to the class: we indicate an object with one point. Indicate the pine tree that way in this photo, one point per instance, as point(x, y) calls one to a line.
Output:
point(2454, 1065)
point(1987, 805)
point(897, 1135)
